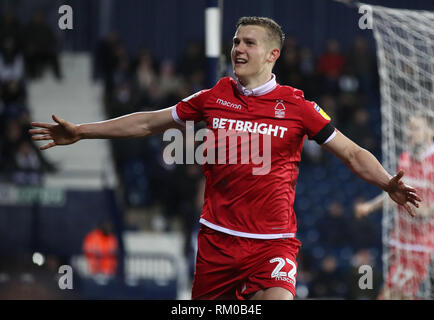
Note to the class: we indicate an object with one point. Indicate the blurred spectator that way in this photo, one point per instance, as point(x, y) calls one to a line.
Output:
point(289, 66)
point(331, 62)
point(106, 56)
point(309, 75)
point(40, 47)
point(296, 67)
point(11, 61)
point(22, 161)
point(100, 248)
point(360, 130)
point(122, 72)
point(197, 80)
point(226, 61)
point(330, 65)
point(307, 62)
point(329, 104)
point(291, 43)
point(145, 73)
point(122, 100)
point(334, 227)
point(13, 135)
point(348, 103)
point(168, 80)
point(27, 165)
point(305, 268)
point(156, 97)
point(193, 60)
point(329, 282)
point(10, 28)
point(368, 233)
point(13, 97)
point(362, 62)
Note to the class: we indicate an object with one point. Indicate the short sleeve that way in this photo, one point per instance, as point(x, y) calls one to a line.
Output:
point(316, 122)
point(191, 108)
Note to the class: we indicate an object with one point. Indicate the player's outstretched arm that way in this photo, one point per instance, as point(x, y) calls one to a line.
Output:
point(367, 167)
point(139, 124)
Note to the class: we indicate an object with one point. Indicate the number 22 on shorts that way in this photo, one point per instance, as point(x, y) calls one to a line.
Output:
point(282, 275)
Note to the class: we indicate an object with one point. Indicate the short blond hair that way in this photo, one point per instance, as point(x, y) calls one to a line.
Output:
point(273, 28)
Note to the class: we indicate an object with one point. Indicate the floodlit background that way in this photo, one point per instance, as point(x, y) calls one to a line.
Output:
point(138, 55)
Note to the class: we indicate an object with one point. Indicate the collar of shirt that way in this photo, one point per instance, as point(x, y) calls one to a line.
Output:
point(258, 91)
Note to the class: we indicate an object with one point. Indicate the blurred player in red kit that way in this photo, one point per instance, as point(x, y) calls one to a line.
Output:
point(247, 244)
point(411, 240)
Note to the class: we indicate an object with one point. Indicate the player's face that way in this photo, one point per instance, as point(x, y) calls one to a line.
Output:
point(252, 54)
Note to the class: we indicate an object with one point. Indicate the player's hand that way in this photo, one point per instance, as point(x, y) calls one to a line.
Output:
point(61, 133)
point(403, 194)
point(362, 209)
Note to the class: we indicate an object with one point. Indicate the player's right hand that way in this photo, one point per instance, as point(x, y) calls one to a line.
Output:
point(61, 133)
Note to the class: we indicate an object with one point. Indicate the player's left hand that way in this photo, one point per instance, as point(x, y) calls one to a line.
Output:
point(403, 194)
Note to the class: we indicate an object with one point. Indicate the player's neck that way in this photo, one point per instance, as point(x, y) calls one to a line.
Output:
point(251, 83)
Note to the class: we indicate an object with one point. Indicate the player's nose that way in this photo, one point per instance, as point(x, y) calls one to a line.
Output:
point(239, 54)
point(239, 49)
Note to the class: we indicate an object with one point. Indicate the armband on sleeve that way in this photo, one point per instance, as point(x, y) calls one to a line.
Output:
point(325, 134)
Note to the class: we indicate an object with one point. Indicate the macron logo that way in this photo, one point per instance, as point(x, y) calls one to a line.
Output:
point(228, 104)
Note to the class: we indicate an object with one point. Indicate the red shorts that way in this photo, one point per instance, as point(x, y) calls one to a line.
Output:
point(407, 270)
point(231, 267)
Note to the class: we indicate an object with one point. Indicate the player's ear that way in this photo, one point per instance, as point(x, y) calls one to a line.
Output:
point(273, 55)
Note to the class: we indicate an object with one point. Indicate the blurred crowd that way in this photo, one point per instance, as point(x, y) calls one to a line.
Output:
point(343, 81)
point(26, 50)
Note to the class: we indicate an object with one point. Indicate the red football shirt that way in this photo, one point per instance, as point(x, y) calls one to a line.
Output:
point(416, 234)
point(237, 201)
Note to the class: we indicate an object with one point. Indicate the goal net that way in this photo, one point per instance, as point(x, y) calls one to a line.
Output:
point(405, 53)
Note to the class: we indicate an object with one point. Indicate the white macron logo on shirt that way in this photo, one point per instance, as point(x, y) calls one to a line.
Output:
point(228, 104)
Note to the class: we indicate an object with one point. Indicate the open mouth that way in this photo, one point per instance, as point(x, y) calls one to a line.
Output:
point(240, 61)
